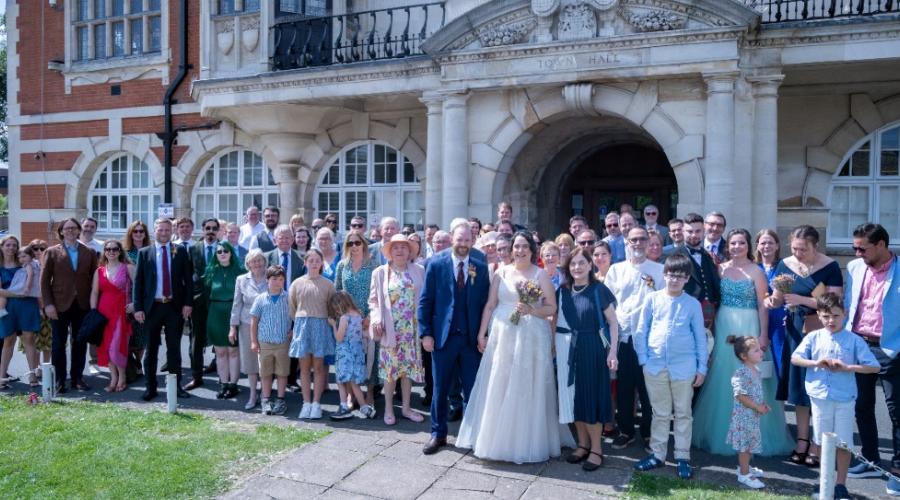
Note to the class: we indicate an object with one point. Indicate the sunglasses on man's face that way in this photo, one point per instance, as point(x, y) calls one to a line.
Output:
point(650, 213)
point(587, 243)
point(356, 226)
point(613, 224)
point(211, 228)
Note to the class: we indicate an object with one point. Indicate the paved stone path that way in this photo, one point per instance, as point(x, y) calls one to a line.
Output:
point(366, 459)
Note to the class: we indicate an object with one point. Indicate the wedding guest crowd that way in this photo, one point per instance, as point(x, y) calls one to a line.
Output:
point(635, 312)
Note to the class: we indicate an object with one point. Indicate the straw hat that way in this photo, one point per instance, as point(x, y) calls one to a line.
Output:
point(399, 238)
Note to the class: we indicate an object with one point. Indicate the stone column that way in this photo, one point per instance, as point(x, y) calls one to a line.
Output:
point(718, 171)
point(433, 157)
point(288, 185)
point(455, 158)
point(765, 151)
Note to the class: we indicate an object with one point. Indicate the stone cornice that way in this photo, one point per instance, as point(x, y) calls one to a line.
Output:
point(774, 37)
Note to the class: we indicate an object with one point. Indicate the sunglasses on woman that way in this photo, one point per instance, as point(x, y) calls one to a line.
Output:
point(354, 243)
point(222, 251)
point(111, 250)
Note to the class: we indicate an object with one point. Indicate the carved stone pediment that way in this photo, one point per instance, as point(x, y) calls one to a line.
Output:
point(511, 22)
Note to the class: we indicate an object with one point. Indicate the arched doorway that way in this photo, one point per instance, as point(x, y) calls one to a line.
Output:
point(607, 177)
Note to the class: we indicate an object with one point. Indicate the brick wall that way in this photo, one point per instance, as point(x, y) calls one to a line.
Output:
point(36, 196)
point(52, 161)
point(38, 231)
point(154, 124)
point(147, 92)
point(90, 128)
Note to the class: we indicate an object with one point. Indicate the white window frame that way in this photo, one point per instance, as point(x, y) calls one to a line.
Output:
point(113, 68)
point(268, 192)
point(375, 192)
point(874, 181)
point(149, 193)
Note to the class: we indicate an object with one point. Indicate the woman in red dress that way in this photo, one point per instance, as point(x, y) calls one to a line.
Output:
point(111, 295)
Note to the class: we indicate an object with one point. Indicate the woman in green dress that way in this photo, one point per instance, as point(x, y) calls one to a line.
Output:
point(218, 289)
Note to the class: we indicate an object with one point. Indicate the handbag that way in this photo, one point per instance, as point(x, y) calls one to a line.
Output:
point(92, 325)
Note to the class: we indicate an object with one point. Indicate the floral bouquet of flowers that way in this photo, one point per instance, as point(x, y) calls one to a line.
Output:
point(783, 284)
point(529, 293)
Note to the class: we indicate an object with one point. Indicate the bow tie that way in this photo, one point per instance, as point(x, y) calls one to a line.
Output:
point(695, 251)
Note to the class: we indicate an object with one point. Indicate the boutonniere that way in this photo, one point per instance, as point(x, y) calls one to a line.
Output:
point(649, 281)
point(472, 273)
point(175, 249)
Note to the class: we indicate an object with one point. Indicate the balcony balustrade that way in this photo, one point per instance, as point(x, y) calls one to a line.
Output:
point(779, 11)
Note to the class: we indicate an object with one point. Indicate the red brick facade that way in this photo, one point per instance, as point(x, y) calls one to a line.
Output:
point(31, 162)
point(40, 196)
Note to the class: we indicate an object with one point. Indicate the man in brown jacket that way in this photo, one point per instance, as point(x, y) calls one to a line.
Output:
point(66, 289)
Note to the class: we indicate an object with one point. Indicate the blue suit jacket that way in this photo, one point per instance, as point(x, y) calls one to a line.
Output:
point(436, 301)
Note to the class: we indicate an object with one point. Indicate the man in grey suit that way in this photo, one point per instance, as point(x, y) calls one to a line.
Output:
point(285, 256)
point(651, 216)
point(265, 240)
point(389, 227)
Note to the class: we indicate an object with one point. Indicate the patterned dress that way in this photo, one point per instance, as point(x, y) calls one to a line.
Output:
point(350, 355)
point(357, 284)
point(743, 433)
point(403, 359)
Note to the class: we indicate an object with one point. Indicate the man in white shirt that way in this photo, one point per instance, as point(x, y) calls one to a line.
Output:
point(185, 230)
point(252, 227)
point(88, 229)
point(632, 281)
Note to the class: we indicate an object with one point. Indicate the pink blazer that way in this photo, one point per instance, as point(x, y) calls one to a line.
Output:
point(380, 303)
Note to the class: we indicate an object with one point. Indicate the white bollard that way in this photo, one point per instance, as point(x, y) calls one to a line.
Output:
point(48, 382)
point(172, 392)
point(827, 472)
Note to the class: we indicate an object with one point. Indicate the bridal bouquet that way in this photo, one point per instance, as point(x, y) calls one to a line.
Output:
point(529, 293)
point(783, 284)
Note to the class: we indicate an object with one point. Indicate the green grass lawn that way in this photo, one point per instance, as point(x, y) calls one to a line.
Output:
point(651, 486)
point(87, 450)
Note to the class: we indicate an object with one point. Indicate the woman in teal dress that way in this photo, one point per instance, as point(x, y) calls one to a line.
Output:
point(219, 280)
point(741, 312)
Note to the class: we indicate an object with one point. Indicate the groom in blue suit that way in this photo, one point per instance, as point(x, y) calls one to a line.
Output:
point(450, 306)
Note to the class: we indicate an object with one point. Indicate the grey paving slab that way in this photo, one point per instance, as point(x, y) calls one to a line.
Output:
point(510, 489)
point(267, 487)
point(354, 441)
point(540, 490)
point(457, 479)
point(606, 480)
point(441, 494)
point(336, 494)
point(524, 472)
point(318, 465)
point(384, 477)
point(410, 451)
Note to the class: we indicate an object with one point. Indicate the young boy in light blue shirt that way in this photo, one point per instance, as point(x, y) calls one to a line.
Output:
point(831, 356)
point(670, 343)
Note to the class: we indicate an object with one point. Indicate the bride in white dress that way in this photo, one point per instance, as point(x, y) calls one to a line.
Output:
point(511, 414)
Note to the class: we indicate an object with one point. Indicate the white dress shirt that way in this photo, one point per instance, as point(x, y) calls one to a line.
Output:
point(248, 232)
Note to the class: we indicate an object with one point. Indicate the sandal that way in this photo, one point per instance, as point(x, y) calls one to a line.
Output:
point(121, 388)
point(591, 466)
point(798, 457)
point(413, 416)
point(574, 459)
point(811, 461)
point(389, 419)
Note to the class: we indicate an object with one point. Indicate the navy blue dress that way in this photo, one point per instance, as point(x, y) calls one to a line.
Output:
point(593, 399)
point(23, 312)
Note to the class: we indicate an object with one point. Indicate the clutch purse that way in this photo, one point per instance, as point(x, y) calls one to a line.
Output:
point(92, 326)
point(766, 369)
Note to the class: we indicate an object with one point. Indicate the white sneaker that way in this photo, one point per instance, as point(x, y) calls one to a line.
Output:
point(750, 481)
point(315, 413)
point(754, 472)
point(93, 369)
point(305, 410)
point(367, 411)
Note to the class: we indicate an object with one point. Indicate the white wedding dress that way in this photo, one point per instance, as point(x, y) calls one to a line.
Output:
point(512, 411)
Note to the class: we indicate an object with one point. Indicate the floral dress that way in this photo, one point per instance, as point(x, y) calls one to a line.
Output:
point(350, 354)
point(743, 433)
point(403, 359)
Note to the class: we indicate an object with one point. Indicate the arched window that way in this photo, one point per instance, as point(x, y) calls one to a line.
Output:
point(372, 180)
point(122, 192)
point(866, 187)
point(231, 183)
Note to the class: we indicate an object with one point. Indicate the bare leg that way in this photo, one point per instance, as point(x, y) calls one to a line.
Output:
point(356, 391)
point(31, 354)
point(342, 392)
point(305, 377)
point(406, 394)
point(282, 386)
point(595, 432)
point(9, 345)
point(389, 388)
point(744, 462)
point(234, 365)
point(222, 364)
point(266, 386)
point(584, 439)
point(254, 380)
point(843, 463)
point(802, 413)
point(321, 380)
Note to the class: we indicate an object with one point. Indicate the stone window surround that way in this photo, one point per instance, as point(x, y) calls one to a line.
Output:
point(401, 187)
point(266, 190)
point(113, 69)
point(874, 182)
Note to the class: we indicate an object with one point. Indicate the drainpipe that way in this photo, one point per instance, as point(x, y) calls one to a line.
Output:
point(169, 135)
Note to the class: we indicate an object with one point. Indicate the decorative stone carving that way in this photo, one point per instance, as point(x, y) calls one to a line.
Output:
point(544, 10)
point(577, 21)
point(654, 20)
point(506, 35)
point(250, 33)
point(225, 36)
point(579, 98)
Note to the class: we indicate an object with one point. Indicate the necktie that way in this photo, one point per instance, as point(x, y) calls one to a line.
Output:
point(209, 253)
point(284, 264)
point(167, 281)
point(460, 278)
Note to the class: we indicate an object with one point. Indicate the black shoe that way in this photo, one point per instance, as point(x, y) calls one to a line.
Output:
point(81, 385)
point(455, 415)
point(149, 395)
point(434, 445)
point(61, 388)
point(574, 459)
point(590, 466)
point(622, 441)
point(232, 391)
point(223, 390)
point(165, 367)
point(183, 394)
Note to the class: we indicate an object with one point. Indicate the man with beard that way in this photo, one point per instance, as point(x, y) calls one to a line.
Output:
point(265, 240)
point(703, 284)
